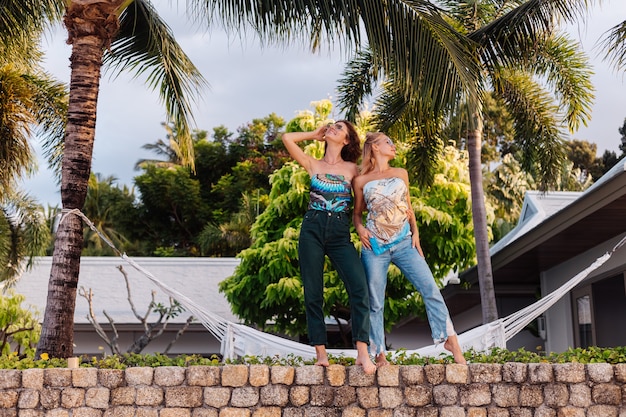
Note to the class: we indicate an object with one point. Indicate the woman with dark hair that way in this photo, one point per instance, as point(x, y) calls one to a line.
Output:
point(390, 235)
point(325, 231)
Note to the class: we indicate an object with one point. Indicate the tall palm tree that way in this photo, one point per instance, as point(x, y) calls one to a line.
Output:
point(542, 77)
point(129, 35)
point(31, 101)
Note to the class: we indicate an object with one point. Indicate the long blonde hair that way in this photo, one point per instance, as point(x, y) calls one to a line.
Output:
point(368, 163)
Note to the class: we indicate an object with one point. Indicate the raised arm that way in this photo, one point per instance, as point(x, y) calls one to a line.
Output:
point(291, 139)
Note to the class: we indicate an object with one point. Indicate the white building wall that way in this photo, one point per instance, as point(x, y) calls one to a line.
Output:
point(559, 318)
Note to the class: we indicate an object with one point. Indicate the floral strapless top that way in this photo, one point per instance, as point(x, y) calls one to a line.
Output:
point(330, 192)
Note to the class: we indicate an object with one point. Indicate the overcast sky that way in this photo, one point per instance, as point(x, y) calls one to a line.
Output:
point(248, 81)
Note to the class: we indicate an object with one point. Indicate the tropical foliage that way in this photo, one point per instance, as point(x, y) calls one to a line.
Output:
point(266, 289)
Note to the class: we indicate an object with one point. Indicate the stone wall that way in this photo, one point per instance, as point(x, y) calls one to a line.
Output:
point(475, 390)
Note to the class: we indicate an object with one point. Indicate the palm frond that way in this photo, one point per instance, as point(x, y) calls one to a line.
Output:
point(430, 58)
point(500, 40)
point(614, 43)
point(356, 83)
point(536, 129)
point(146, 45)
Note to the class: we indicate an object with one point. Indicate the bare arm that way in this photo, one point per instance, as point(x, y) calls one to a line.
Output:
point(357, 214)
point(411, 216)
point(291, 139)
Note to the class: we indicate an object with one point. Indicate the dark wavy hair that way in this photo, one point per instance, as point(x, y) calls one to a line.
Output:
point(352, 150)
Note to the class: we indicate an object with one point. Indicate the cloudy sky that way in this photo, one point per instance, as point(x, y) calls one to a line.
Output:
point(248, 81)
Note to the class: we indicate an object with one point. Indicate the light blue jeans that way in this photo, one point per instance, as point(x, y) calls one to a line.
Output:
point(416, 270)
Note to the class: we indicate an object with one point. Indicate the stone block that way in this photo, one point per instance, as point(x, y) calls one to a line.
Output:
point(506, 395)
point(388, 376)
point(57, 377)
point(322, 396)
point(141, 375)
point(111, 378)
point(72, 397)
point(580, 395)
point(412, 375)
point(259, 375)
point(282, 375)
point(475, 395)
point(50, 398)
point(169, 376)
point(540, 373)
point(10, 378)
point(203, 376)
point(569, 372)
point(216, 396)
point(418, 395)
point(531, 396)
point(149, 396)
point(184, 396)
point(607, 394)
point(514, 372)
point(32, 378)
point(358, 378)
point(457, 374)
point(556, 395)
point(123, 395)
point(244, 397)
point(345, 396)
point(28, 398)
point(600, 372)
point(489, 373)
point(298, 396)
point(97, 398)
point(390, 397)
point(277, 395)
point(434, 374)
point(445, 394)
point(603, 411)
point(336, 375)
point(267, 412)
point(234, 412)
point(310, 375)
point(84, 377)
point(367, 397)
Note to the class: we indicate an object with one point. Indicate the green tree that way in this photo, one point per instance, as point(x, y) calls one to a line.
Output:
point(19, 326)
point(171, 212)
point(24, 234)
point(266, 286)
point(112, 211)
point(541, 77)
point(124, 35)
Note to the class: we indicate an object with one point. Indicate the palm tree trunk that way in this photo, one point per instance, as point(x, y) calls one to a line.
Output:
point(479, 218)
point(91, 25)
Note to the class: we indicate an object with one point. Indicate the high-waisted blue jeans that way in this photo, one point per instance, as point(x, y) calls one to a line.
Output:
point(416, 270)
point(328, 233)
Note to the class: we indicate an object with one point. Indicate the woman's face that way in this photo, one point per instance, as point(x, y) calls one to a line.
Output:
point(337, 131)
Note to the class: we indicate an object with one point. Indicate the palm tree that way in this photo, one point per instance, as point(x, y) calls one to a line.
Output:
point(522, 62)
point(129, 35)
point(614, 43)
point(31, 101)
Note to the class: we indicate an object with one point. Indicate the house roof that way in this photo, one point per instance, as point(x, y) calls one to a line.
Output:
point(553, 227)
point(196, 278)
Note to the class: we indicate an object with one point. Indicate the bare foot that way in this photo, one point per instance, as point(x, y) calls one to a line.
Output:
point(452, 345)
point(363, 358)
point(381, 360)
point(322, 357)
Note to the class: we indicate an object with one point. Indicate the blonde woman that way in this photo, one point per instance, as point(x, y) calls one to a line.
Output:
point(390, 235)
point(325, 231)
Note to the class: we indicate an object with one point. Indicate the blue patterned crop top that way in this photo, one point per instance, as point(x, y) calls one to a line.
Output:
point(330, 192)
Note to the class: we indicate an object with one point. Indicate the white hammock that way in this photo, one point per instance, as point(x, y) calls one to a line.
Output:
point(239, 340)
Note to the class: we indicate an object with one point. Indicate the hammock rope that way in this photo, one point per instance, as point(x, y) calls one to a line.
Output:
point(239, 340)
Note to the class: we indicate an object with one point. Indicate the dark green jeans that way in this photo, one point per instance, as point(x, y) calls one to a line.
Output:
point(328, 233)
